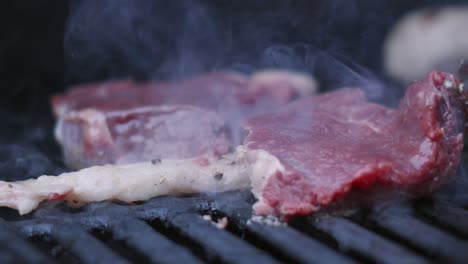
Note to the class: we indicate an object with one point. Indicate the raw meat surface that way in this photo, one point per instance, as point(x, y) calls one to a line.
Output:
point(92, 137)
point(216, 91)
point(91, 117)
point(316, 151)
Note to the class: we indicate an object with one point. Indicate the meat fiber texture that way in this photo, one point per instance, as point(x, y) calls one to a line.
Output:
point(319, 151)
point(124, 122)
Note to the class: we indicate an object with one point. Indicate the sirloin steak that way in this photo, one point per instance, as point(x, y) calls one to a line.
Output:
point(318, 150)
point(124, 122)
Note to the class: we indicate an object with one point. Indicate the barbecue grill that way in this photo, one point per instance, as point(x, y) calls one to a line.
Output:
point(173, 230)
point(177, 229)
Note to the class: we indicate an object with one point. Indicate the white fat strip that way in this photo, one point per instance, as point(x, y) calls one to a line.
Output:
point(95, 122)
point(365, 122)
point(131, 182)
point(302, 83)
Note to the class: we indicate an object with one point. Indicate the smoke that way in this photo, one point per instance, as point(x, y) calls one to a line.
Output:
point(332, 40)
point(143, 39)
point(106, 39)
point(338, 71)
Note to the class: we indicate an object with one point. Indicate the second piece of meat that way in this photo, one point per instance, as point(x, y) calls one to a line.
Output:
point(124, 122)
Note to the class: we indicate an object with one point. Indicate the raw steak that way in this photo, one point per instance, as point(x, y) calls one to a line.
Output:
point(91, 118)
point(92, 137)
point(215, 91)
point(319, 150)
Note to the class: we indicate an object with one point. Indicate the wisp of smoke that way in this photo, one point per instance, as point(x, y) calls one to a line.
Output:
point(143, 39)
point(166, 40)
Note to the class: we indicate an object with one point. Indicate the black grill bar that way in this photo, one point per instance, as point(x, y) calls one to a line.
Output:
point(299, 247)
point(15, 249)
point(421, 235)
point(353, 237)
point(282, 239)
point(83, 245)
point(221, 245)
point(451, 217)
point(171, 229)
point(9, 256)
point(156, 247)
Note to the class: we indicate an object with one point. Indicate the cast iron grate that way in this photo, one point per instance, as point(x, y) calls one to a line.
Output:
point(173, 230)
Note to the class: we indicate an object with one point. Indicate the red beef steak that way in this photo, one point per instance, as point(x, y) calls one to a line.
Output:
point(92, 137)
point(123, 121)
point(319, 150)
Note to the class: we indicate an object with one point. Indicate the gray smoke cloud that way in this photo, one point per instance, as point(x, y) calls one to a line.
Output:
point(160, 39)
point(145, 39)
point(109, 39)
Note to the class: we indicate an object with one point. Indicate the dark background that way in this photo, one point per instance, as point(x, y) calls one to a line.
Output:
point(32, 60)
point(38, 58)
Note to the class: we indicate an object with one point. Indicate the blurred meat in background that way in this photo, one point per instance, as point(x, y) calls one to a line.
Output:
point(429, 38)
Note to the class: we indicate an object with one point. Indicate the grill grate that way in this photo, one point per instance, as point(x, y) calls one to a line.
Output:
point(172, 230)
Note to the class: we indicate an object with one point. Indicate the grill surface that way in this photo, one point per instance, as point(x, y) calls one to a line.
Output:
point(172, 230)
